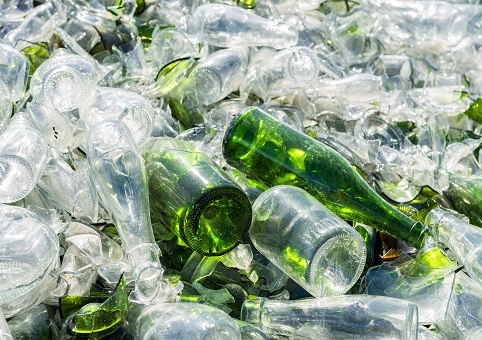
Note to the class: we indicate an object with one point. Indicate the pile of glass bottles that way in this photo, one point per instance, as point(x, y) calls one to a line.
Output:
point(246, 169)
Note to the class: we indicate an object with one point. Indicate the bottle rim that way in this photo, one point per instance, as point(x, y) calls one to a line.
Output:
point(192, 219)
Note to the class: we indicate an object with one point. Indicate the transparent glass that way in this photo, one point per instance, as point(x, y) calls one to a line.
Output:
point(14, 69)
point(273, 73)
point(313, 246)
point(5, 333)
point(6, 105)
point(358, 88)
point(118, 172)
point(132, 109)
point(28, 254)
point(464, 313)
point(218, 75)
point(60, 130)
point(179, 321)
point(24, 155)
point(334, 317)
point(230, 26)
point(463, 239)
point(270, 151)
point(194, 197)
point(33, 324)
point(63, 81)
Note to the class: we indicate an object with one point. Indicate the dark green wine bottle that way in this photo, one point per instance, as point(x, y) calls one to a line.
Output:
point(272, 152)
point(194, 197)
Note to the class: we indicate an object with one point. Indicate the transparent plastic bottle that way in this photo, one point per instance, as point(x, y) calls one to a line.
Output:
point(194, 197)
point(179, 321)
point(230, 26)
point(24, 154)
point(334, 317)
point(463, 239)
point(268, 150)
point(313, 246)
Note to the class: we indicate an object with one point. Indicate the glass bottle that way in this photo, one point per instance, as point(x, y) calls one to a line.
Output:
point(118, 172)
point(24, 154)
point(182, 320)
point(194, 197)
point(272, 152)
point(313, 246)
point(334, 317)
point(229, 26)
point(463, 239)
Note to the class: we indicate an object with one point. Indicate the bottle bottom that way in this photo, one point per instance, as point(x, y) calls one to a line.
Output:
point(16, 179)
point(337, 265)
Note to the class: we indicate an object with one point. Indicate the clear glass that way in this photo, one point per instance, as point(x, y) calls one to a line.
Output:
point(334, 317)
point(14, 69)
point(24, 155)
point(218, 75)
point(463, 239)
point(33, 324)
point(105, 103)
point(273, 73)
point(118, 172)
point(313, 246)
point(194, 197)
point(358, 88)
point(465, 309)
point(28, 254)
point(5, 333)
point(6, 105)
point(230, 26)
point(61, 131)
point(179, 321)
point(63, 81)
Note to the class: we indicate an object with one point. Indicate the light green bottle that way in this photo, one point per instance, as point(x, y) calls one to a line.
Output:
point(272, 152)
point(194, 197)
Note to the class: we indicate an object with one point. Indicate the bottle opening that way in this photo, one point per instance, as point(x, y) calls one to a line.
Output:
point(218, 221)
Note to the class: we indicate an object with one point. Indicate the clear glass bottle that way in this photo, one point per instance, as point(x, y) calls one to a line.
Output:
point(229, 26)
point(119, 175)
point(334, 317)
point(194, 197)
point(313, 246)
point(272, 152)
point(24, 154)
point(182, 320)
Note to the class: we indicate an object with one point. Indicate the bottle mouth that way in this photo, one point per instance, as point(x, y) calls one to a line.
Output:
point(251, 311)
point(302, 66)
point(16, 179)
point(337, 265)
point(218, 221)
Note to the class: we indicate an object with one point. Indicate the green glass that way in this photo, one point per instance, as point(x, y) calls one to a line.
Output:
point(96, 320)
point(194, 197)
point(474, 112)
point(272, 152)
point(465, 194)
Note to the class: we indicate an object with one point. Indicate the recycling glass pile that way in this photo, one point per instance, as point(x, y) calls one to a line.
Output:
point(240, 169)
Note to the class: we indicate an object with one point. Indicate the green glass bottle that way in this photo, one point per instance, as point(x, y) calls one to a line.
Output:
point(194, 197)
point(272, 152)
